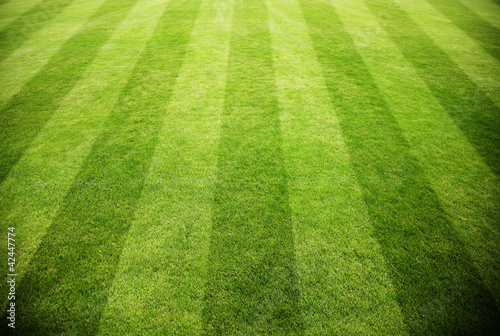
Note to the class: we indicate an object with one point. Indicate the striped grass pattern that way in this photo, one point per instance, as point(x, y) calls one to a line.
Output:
point(251, 167)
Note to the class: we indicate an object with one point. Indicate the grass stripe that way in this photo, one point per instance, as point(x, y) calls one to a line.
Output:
point(344, 284)
point(467, 189)
point(475, 114)
point(426, 260)
point(20, 30)
point(476, 63)
point(472, 24)
point(66, 286)
point(30, 58)
point(36, 186)
point(487, 9)
point(23, 117)
point(158, 288)
point(10, 11)
point(252, 286)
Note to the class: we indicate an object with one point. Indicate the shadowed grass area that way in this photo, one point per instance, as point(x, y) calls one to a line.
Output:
point(22, 118)
point(23, 27)
point(467, 189)
point(438, 289)
point(472, 24)
point(66, 287)
point(252, 286)
point(36, 186)
point(467, 53)
point(475, 114)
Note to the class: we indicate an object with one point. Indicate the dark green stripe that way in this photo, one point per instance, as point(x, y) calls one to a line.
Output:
point(66, 286)
point(22, 118)
point(472, 24)
point(252, 286)
point(437, 287)
point(21, 29)
point(474, 113)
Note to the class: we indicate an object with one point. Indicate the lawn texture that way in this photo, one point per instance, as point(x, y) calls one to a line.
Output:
point(252, 287)
point(100, 226)
point(251, 167)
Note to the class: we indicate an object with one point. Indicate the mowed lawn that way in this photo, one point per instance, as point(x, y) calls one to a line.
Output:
point(251, 167)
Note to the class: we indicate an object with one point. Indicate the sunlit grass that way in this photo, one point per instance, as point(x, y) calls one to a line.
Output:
point(251, 167)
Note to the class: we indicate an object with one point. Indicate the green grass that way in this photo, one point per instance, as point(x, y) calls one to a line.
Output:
point(43, 93)
point(337, 285)
point(174, 267)
point(12, 9)
point(251, 167)
point(100, 226)
point(474, 112)
point(23, 28)
point(393, 184)
point(252, 286)
point(487, 9)
point(474, 25)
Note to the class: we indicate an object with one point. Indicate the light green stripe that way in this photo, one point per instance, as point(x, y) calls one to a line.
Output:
point(13, 9)
point(28, 59)
point(158, 288)
point(344, 285)
point(467, 189)
point(478, 64)
point(38, 183)
point(486, 9)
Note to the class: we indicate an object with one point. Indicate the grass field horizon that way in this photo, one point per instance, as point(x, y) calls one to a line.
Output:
point(250, 167)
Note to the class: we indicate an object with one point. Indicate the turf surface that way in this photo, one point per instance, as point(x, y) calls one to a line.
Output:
point(251, 167)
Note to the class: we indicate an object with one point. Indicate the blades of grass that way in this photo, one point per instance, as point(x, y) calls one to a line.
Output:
point(476, 63)
point(158, 287)
point(467, 189)
point(36, 186)
point(487, 9)
point(472, 24)
point(430, 268)
point(11, 11)
point(27, 60)
point(475, 114)
point(343, 280)
point(28, 111)
point(66, 286)
point(20, 30)
point(252, 285)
